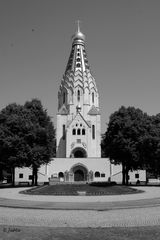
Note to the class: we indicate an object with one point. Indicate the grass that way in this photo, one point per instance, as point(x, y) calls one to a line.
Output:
point(112, 233)
point(80, 189)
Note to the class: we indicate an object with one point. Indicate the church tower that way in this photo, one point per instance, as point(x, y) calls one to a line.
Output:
point(78, 117)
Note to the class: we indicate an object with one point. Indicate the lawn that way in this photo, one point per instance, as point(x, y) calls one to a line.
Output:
point(80, 189)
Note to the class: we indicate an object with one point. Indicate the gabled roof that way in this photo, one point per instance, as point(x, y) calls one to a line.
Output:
point(79, 115)
point(93, 111)
point(63, 110)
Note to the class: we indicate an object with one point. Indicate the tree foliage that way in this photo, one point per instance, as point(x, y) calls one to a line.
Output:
point(27, 136)
point(121, 143)
point(149, 146)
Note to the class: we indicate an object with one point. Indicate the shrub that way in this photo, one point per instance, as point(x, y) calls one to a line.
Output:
point(102, 184)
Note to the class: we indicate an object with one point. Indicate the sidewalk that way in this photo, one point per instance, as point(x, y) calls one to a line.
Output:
point(10, 197)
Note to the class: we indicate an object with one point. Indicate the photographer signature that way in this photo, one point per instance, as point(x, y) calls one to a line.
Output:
point(11, 229)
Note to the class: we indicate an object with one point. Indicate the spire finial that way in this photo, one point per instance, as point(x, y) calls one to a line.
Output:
point(78, 25)
point(78, 34)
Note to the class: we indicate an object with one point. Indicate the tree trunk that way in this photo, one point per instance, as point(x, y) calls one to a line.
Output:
point(36, 176)
point(127, 177)
point(1, 173)
point(32, 175)
point(123, 173)
point(13, 176)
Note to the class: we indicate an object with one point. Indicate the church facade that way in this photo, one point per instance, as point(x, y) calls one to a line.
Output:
point(79, 121)
point(78, 133)
point(78, 117)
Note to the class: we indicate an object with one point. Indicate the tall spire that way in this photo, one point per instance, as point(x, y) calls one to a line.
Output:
point(78, 72)
point(78, 104)
point(78, 57)
point(78, 90)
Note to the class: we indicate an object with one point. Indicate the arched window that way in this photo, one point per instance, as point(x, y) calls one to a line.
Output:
point(60, 175)
point(78, 65)
point(74, 131)
point(78, 95)
point(64, 132)
point(93, 131)
point(83, 131)
point(64, 96)
point(97, 174)
point(92, 97)
point(78, 131)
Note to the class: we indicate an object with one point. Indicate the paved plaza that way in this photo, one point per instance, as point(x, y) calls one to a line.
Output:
point(61, 217)
point(142, 209)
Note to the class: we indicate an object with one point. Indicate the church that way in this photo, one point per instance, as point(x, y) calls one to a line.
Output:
point(78, 132)
point(78, 117)
point(79, 120)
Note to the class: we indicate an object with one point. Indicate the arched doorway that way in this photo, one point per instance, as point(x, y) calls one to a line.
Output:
point(61, 176)
point(80, 172)
point(79, 175)
point(79, 153)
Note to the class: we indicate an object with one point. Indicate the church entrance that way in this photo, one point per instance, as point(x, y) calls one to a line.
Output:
point(78, 175)
point(79, 153)
point(80, 172)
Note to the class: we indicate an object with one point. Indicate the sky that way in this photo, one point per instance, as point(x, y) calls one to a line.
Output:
point(122, 44)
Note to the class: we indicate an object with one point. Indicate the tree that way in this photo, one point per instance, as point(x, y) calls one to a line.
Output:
point(121, 140)
point(149, 146)
point(40, 138)
point(27, 136)
point(156, 122)
point(13, 150)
